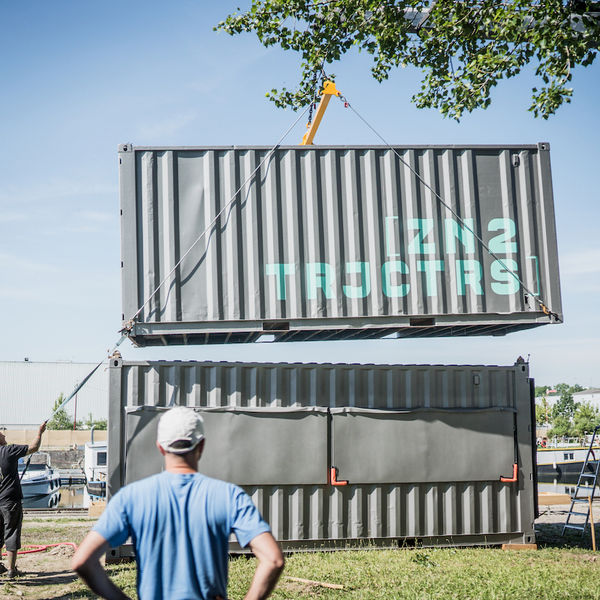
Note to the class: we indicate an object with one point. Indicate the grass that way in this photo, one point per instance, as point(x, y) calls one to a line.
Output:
point(53, 533)
point(60, 520)
point(472, 573)
point(560, 569)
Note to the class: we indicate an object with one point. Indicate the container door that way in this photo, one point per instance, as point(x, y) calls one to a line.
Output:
point(244, 446)
point(423, 445)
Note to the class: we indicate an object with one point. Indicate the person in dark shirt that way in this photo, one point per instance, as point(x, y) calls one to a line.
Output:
point(11, 496)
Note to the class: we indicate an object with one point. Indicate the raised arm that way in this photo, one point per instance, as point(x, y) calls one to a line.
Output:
point(86, 563)
point(270, 566)
point(35, 445)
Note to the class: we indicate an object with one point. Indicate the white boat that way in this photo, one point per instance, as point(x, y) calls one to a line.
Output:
point(563, 462)
point(40, 483)
point(95, 467)
point(42, 502)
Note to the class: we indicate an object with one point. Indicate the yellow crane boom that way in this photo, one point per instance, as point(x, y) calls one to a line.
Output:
point(329, 90)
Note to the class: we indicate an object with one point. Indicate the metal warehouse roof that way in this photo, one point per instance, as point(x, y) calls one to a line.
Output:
point(28, 390)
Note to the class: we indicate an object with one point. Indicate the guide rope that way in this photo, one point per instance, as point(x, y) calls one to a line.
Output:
point(125, 330)
point(74, 392)
point(542, 305)
point(129, 324)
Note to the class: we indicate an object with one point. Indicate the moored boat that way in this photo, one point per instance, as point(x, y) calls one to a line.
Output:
point(95, 464)
point(42, 502)
point(96, 488)
point(562, 462)
point(40, 483)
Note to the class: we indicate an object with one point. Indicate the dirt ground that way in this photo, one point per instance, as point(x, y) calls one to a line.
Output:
point(549, 527)
point(47, 575)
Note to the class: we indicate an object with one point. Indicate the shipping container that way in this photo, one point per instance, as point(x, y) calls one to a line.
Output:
point(336, 455)
point(325, 243)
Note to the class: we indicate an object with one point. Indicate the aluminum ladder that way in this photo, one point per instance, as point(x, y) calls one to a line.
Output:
point(589, 477)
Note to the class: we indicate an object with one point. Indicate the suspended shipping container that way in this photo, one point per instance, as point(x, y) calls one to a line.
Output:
point(337, 455)
point(325, 243)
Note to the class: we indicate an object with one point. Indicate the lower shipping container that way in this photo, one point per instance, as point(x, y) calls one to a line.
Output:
point(340, 455)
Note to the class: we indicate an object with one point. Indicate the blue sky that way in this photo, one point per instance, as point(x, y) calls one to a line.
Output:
point(79, 78)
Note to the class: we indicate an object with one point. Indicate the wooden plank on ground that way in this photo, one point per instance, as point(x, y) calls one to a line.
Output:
point(549, 498)
point(519, 546)
point(333, 586)
point(96, 508)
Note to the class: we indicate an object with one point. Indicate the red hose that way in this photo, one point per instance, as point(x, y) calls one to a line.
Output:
point(31, 548)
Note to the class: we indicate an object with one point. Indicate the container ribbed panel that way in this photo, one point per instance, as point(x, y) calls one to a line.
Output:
point(386, 511)
point(331, 385)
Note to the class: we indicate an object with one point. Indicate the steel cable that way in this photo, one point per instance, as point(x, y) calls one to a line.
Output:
point(543, 306)
point(71, 395)
point(129, 323)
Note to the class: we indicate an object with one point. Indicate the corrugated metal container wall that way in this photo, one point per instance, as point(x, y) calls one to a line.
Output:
point(423, 448)
point(334, 243)
point(28, 390)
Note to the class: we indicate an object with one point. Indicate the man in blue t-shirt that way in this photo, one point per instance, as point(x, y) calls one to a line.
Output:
point(179, 522)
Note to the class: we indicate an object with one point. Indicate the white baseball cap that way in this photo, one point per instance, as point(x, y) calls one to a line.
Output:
point(180, 424)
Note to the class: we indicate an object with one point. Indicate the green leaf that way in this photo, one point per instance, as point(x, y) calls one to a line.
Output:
point(463, 49)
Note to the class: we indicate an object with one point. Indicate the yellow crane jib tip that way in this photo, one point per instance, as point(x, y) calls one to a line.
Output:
point(329, 88)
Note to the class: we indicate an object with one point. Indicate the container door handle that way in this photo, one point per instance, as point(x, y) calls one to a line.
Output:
point(514, 475)
point(333, 477)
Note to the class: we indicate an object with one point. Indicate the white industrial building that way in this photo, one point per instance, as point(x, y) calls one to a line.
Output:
point(588, 396)
point(591, 396)
point(29, 389)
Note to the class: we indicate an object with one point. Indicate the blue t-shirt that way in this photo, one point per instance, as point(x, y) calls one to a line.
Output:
point(180, 527)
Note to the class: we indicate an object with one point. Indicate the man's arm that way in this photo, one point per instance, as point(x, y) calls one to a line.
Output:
point(270, 565)
point(35, 445)
point(86, 563)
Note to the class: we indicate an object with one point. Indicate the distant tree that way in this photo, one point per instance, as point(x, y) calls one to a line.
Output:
point(540, 415)
point(61, 419)
point(99, 424)
point(542, 412)
point(540, 390)
point(564, 411)
point(561, 427)
point(565, 405)
point(586, 418)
